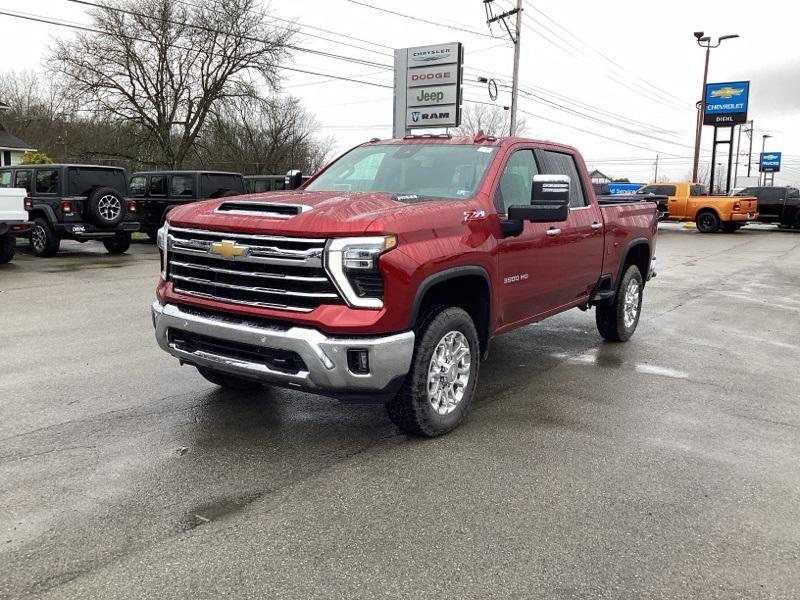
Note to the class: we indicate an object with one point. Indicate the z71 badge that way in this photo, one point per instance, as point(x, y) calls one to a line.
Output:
point(474, 215)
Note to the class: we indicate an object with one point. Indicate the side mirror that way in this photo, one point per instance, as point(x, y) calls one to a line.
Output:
point(549, 200)
point(293, 180)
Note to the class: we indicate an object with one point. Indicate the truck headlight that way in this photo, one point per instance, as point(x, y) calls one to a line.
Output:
point(162, 241)
point(352, 264)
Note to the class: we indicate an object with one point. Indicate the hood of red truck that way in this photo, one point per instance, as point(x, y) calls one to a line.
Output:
point(324, 214)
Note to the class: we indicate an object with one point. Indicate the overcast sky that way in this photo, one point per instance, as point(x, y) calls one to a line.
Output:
point(610, 56)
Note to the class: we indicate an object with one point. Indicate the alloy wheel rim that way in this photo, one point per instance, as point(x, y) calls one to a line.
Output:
point(38, 238)
point(109, 207)
point(449, 372)
point(631, 307)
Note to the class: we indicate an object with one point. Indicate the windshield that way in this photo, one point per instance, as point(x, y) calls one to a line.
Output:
point(414, 170)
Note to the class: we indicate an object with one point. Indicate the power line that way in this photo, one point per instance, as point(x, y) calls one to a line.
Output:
point(421, 20)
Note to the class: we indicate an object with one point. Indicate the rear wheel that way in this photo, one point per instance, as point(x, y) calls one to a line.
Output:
point(44, 241)
point(8, 245)
point(617, 318)
point(441, 383)
point(118, 244)
point(229, 382)
point(707, 221)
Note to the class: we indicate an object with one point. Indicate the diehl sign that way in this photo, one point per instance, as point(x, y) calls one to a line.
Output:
point(726, 103)
point(769, 162)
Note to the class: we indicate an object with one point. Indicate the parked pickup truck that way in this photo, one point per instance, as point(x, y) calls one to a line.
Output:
point(605, 195)
point(386, 276)
point(778, 204)
point(691, 202)
point(158, 192)
point(13, 220)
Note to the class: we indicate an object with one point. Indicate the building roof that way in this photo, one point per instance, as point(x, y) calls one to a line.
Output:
point(10, 142)
point(596, 174)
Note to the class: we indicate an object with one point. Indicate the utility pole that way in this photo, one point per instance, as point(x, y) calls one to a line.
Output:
point(736, 169)
point(515, 37)
point(749, 133)
point(655, 178)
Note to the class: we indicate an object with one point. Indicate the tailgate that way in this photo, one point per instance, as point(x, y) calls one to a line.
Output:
point(746, 204)
point(12, 205)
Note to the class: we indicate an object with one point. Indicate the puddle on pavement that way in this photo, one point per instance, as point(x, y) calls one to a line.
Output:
point(608, 360)
point(214, 511)
point(663, 371)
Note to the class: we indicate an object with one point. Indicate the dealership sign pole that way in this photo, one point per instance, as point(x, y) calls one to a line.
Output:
point(427, 87)
point(724, 105)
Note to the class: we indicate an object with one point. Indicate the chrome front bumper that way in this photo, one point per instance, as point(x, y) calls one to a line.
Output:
point(327, 371)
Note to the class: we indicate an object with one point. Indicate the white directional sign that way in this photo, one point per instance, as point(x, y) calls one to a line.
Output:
point(427, 87)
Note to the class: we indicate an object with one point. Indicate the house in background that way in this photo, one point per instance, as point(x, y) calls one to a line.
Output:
point(11, 147)
point(598, 177)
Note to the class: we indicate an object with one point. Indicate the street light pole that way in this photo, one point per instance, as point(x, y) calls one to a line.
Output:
point(704, 41)
point(749, 133)
point(763, 145)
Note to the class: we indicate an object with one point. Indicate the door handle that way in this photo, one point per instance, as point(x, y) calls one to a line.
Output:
point(553, 231)
point(597, 225)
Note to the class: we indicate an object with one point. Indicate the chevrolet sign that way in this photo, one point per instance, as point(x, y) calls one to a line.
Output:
point(770, 162)
point(726, 103)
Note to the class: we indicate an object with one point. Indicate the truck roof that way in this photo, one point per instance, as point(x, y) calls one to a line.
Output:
point(187, 172)
point(478, 139)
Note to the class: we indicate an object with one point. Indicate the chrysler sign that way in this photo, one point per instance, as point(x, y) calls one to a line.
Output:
point(427, 87)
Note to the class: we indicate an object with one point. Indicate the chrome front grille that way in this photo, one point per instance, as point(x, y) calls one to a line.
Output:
point(256, 270)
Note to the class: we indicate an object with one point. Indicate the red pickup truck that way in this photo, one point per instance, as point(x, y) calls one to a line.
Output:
point(388, 273)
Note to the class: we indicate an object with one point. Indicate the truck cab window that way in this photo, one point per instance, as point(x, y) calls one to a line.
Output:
point(138, 186)
point(515, 182)
point(5, 179)
point(158, 186)
point(560, 163)
point(695, 190)
point(182, 186)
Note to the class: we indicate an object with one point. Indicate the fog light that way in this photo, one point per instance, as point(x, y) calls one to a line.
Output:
point(358, 361)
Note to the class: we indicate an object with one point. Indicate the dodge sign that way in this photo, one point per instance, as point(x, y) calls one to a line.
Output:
point(726, 103)
point(427, 87)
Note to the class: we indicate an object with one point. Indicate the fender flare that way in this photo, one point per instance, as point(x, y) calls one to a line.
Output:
point(43, 210)
point(640, 241)
point(444, 275)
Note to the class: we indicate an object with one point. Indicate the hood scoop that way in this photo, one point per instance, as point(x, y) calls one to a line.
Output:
point(274, 210)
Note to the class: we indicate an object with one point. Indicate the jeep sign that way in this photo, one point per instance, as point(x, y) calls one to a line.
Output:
point(428, 96)
point(427, 87)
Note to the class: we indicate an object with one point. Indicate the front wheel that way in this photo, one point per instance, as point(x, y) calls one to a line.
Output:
point(118, 244)
point(617, 318)
point(444, 373)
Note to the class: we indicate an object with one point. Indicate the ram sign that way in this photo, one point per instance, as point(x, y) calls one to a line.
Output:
point(769, 162)
point(427, 87)
point(726, 103)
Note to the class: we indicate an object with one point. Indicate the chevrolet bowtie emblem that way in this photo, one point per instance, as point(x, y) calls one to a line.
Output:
point(727, 92)
point(228, 249)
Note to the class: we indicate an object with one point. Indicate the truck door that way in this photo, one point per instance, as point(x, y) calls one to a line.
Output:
point(582, 236)
point(529, 264)
point(770, 203)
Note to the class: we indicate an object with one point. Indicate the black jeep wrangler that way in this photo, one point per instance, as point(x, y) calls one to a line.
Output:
point(158, 192)
point(75, 202)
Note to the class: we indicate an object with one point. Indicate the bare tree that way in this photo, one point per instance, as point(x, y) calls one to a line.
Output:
point(163, 66)
point(492, 120)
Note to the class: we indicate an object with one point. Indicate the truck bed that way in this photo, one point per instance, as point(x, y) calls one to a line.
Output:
point(626, 222)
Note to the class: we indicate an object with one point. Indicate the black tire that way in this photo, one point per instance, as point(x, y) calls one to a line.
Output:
point(229, 382)
point(610, 315)
point(411, 409)
point(43, 240)
point(118, 244)
point(107, 207)
point(707, 221)
point(8, 246)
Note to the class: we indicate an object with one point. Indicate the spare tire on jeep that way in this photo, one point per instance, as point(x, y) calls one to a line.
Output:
point(107, 207)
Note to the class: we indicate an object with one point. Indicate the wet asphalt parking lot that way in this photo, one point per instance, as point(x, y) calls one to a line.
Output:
point(667, 467)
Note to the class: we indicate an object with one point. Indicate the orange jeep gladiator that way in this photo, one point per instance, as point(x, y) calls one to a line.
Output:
point(691, 202)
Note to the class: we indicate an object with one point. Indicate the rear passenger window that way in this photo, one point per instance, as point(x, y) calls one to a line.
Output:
point(214, 185)
point(47, 181)
point(158, 186)
point(793, 193)
point(22, 179)
point(262, 185)
point(695, 190)
point(138, 186)
point(5, 179)
point(560, 163)
point(182, 186)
